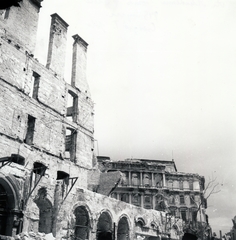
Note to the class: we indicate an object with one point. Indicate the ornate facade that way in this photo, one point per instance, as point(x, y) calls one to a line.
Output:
point(155, 184)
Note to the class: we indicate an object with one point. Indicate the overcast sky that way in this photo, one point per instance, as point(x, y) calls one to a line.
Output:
point(162, 76)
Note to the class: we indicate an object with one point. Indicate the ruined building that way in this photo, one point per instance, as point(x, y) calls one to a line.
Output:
point(49, 177)
point(156, 184)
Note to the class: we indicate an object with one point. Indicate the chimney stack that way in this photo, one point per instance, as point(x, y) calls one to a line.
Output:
point(57, 45)
point(79, 62)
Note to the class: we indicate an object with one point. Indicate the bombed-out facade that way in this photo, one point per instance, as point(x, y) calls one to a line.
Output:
point(49, 177)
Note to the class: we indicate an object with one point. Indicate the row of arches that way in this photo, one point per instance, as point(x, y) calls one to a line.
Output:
point(11, 217)
point(105, 228)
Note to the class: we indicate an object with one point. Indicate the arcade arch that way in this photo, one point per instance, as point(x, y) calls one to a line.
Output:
point(123, 229)
point(82, 223)
point(10, 214)
point(104, 227)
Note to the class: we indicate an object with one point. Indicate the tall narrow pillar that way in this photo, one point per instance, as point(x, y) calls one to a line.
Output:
point(153, 185)
point(130, 198)
point(153, 201)
point(141, 179)
point(142, 200)
point(79, 63)
point(130, 179)
point(164, 180)
point(57, 45)
point(118, 196)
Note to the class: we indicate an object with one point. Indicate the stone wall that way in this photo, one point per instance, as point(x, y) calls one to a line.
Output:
point(46, 144)
point(15, 24)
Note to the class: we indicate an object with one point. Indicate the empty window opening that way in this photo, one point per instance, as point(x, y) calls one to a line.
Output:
point(158, 180)
point(72, 106)
point(136, 199)
point(192, 201)
point(172, 212)
point(124, 197)
point(191, 185)
point(114, 195)
point(148, 202)
point(160, 203)
point(104, 227)
point(146, 179)
point(135, 179)
point(82, 223)
point(182, 201)
point(125, 179)
point(39, 168)
point(30, 130)
point(184, 215)
point(172, 199)
point(194, 215)
point(16, 158)
point(45, 211)
point(70, 144)
point(65, 181)
point(37, 173)
point(35, 85)
point(170, 184)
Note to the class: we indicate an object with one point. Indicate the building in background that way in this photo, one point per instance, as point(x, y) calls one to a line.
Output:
point(49, 177)
point(156, 184)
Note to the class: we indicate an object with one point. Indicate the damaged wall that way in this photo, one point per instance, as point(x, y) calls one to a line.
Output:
point(48, 125)
point(34, 124)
